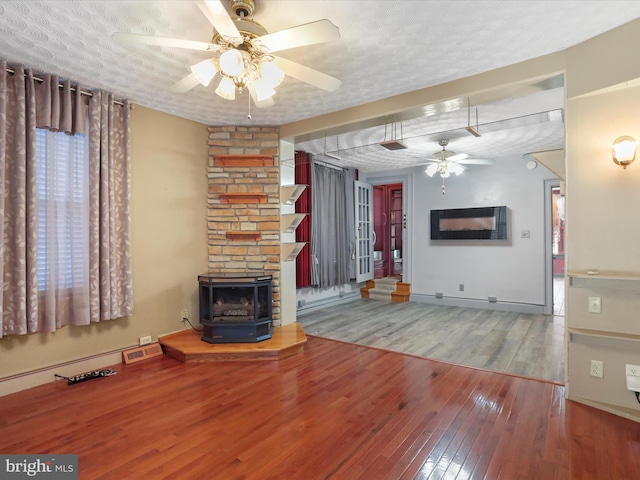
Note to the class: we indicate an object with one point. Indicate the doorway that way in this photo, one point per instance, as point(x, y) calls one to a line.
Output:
point(388, 225)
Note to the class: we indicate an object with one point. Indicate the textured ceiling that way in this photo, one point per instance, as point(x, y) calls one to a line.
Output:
point(386, 48)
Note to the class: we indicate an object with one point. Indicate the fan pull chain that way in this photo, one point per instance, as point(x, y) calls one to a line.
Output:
point(249, 114)
point(443, 185)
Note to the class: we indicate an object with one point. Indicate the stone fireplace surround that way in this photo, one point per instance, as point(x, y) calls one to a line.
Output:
point(244, 204)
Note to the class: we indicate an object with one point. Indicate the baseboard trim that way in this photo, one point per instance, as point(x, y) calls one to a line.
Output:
point(22, 381)
point(472, 303)
point(328, 302)
point(629, 413)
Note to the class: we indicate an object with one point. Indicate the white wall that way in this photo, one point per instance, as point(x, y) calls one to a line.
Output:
point(511, 270)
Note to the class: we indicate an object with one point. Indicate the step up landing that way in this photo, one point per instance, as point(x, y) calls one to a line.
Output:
point(388, 288)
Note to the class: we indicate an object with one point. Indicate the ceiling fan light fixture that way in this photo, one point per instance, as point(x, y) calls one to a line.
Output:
point(226, 88)
point(205, 71)
point(455, 168)
point(432, 169)
point(231, 62)
point(263, 89)
point(271, 74)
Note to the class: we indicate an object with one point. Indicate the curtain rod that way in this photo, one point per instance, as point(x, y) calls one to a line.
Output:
point(330, 165)
point(73, 89)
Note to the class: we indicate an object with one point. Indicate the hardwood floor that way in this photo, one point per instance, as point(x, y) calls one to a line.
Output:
point(517, 343)
point(336, 411)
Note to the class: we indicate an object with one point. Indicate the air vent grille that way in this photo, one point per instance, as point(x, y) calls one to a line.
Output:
point(141, 353)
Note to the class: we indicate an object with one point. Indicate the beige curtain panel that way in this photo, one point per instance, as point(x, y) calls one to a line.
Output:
point(64, 221)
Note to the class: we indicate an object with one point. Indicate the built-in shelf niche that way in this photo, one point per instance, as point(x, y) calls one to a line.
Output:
point(290, 193)
point(243, 197)
point(291, 221)
point(243, 236)
point(603, 279)
point(290, 251)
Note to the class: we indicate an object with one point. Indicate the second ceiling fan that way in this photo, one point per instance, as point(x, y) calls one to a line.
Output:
point(445, 162)
point(242, 53)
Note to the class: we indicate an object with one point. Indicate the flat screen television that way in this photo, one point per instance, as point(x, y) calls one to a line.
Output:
point(481, 223)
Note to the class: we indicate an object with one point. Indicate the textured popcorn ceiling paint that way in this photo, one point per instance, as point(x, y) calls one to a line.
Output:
point(386, 48)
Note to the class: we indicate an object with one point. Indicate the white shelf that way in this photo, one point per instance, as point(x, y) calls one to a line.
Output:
point(290, 251)
point(603, 338)
point(291, 221)
point(603, 279)
point(604, 275)
point(290, 193)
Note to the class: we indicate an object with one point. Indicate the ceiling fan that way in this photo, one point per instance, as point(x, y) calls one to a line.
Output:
point(241, 51)
point(445, 162)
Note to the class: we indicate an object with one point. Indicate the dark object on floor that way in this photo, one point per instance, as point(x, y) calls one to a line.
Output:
point(83, 377)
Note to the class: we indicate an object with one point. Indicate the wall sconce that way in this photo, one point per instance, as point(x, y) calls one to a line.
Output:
point(624, 150)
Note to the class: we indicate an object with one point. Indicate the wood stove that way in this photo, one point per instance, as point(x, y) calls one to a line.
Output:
point(235, 307)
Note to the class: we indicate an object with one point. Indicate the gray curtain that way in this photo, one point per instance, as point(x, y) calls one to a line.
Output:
point(330, 233)
point(111, 290)
point(28, 303)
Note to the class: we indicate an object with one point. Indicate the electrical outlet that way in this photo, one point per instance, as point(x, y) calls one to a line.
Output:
point(462, 287)
point(632, 370)
point(493, 299)
point(145, 340)
point(597, 369)
point(184, 315)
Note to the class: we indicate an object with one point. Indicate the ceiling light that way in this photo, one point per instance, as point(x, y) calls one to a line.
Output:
point(263, 89)
point(432, 169)
point(231, 62)
point(271, 74)
point(445, 168)
point(455, 168)
point(226, 89)
point(205, 70)
point(624, 150)
point(245, 66)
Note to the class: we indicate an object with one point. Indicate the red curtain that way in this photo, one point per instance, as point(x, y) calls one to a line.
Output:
point(303, 232)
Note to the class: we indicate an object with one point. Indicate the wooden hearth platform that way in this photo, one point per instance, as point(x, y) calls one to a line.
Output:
point(187, 346)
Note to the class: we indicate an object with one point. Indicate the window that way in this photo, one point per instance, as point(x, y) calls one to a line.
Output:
point(62, 192)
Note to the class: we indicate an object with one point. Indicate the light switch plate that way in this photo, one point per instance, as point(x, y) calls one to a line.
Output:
point(595, 305)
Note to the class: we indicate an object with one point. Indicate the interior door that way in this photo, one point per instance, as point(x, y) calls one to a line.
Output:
point(388, 225)
point(365, 236)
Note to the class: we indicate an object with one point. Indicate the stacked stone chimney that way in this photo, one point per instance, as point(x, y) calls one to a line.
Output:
point(244, 203)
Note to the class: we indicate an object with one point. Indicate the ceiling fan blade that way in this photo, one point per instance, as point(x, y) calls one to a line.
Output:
point(457, 157)
point(186, 84)
point(307, 75)
point(124, 38)
point(219, 18)
point(477, 161)
point(300, 36)
point(267, 102)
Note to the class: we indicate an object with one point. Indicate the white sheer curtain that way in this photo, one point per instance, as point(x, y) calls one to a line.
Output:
point(62, 184)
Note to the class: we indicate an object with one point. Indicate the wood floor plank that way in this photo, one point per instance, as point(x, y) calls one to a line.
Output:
point(336, 411)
